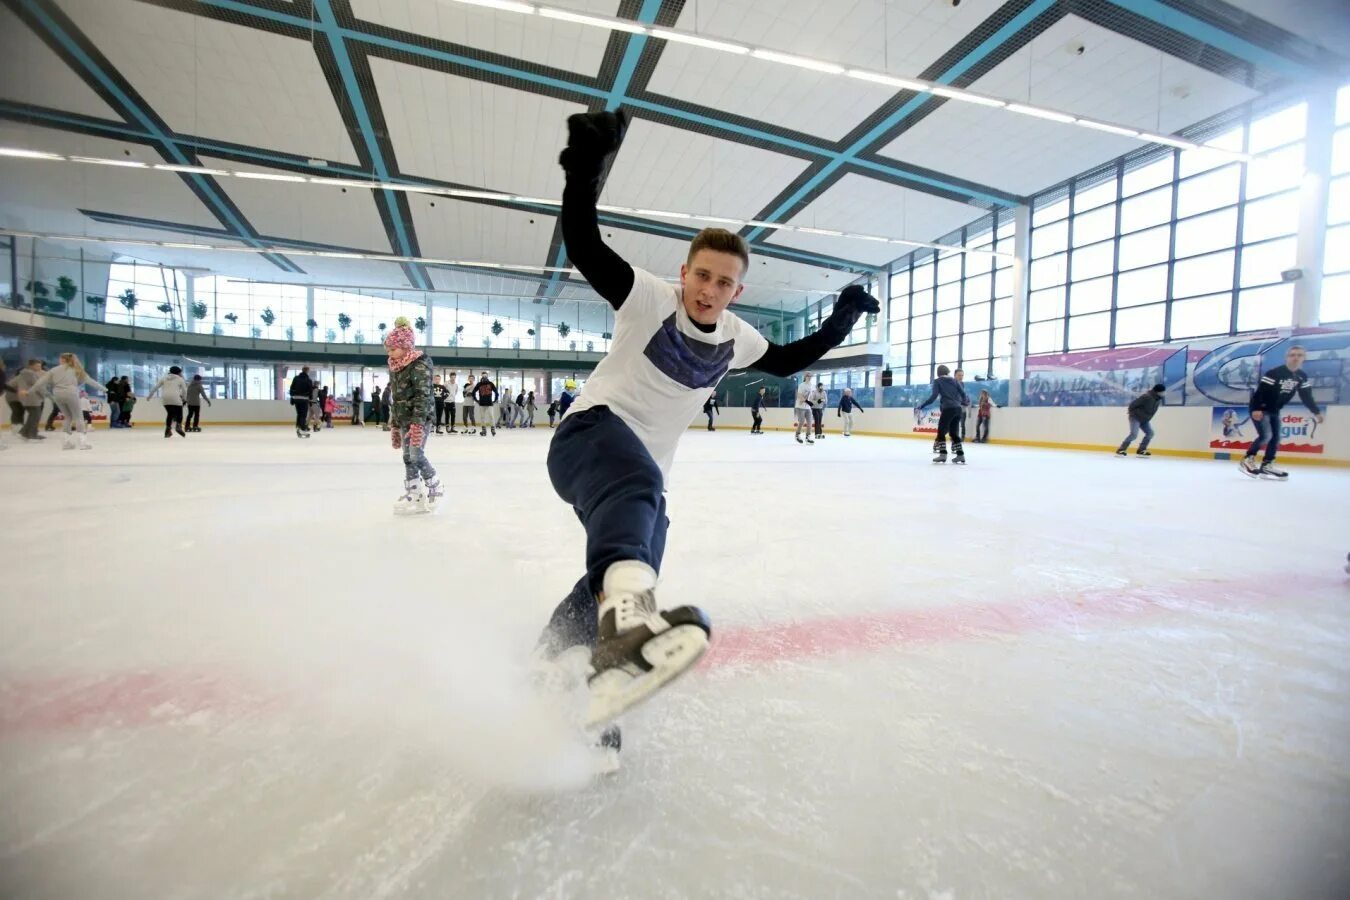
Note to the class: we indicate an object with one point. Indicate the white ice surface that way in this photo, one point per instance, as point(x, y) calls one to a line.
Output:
point(227, 670)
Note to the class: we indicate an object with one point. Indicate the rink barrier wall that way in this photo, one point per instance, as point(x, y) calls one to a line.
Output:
point(1180, 431)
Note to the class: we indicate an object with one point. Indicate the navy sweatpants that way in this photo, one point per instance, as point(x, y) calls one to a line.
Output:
point(598, 465)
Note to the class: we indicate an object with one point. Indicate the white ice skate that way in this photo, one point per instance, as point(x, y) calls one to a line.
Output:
point(435, 491)
point(84, 442)
point(641, 649)
point(414, 500)
point(1249, 467)
point(1270, 471)
point(68, 443)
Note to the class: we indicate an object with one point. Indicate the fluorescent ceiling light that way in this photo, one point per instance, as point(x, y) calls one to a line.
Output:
point(1041, 113)
point(966, 96)
point(330, 254)
point(189, 170)
point(479, 195)
point(342, 182)
point(825, 231)
point(540, 200)
point(179, 245)
point(506, 5)
point(20, 153)
point(758, 224)
point(739, 223)
point(663, 214)
point(597, 21)
point(800, 62)
point(99, 161)
point(270, 176)
point(1169, 141)
point(888, 80)
point(1108, 128)
point(696, 40)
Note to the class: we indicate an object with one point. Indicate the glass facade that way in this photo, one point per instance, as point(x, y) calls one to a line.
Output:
point(954, 309)
point(1171, 244)
point(1336, 263)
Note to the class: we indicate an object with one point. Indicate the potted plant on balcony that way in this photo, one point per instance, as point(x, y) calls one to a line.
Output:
point(420, 324)
point(344, 322)
point(564, 330)
point(96, 302)
point(496, 330)
point(129, 300)
point(199, 310)
point(66, 291)
point(232, 318)
point(167, 309)
point(268, 317)
point(311, 325)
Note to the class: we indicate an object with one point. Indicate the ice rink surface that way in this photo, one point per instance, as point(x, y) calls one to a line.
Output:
point(226, 670)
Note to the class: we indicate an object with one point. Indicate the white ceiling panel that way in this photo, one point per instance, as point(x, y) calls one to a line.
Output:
point(47, 196)
point(454, 229)
point(669, 168)
point(860, 204)
point(31, 73)
point(306, 212)
point(470, 132)
point(1116, 79)
point(902, 37)
point(219, 80)
point(549, 42)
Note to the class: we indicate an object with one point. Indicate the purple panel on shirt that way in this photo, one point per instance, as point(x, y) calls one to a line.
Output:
point(690, 363)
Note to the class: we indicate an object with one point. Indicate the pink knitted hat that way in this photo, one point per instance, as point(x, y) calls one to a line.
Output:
point(402, 336)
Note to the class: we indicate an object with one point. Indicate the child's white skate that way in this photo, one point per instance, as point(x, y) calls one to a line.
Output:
point(435, 491)
point(641, 649)
point(414, 499)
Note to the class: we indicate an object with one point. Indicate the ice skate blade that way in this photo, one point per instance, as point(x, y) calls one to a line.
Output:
point(670, 654)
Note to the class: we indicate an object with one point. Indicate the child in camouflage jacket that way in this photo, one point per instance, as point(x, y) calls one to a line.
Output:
point(411, 418)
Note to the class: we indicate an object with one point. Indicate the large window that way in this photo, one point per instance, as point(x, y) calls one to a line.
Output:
point(954, 309)
point(1171, 244)
point(1336, 265)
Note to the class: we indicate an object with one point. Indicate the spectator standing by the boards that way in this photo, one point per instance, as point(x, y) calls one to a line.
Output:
point(128, 401)
point(485, 395)
point(801, 410)
point(113, 391)
point(195, 395)
point(818, 401)
point(1276, 388)
point(530, 409)
point(1141, 411)
point(438, 395)
point(756, 412)
point(960, 376)
point(952, 402)
point(983, 412)
point(356, 406)
point(470, 417)
point(846, 407)
point(384, 406)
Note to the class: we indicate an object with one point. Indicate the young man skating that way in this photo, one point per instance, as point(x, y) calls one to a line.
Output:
point(612, 453)
point(1276, 388)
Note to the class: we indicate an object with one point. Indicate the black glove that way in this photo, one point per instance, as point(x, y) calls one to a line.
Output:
point(591, 138)
point(851, 303)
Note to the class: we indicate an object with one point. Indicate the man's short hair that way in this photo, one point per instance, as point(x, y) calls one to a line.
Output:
point(721, 241)
point(1294, 347)
point(943, 370)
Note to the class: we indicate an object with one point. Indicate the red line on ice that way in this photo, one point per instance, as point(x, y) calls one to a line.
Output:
point(121, 699)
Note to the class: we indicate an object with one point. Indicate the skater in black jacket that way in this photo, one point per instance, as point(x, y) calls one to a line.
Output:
point(1141, 412)
point(846, 406)
point(709, 407)
point(1276, 388)
point(953, 404)
point(756, 412)
point(301, 387)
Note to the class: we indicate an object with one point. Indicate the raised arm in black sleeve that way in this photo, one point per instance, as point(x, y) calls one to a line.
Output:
point(591, 139)
point(783, 360)
point(1306, 395)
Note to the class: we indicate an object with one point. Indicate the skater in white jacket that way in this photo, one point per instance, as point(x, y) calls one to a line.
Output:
point(174, 389)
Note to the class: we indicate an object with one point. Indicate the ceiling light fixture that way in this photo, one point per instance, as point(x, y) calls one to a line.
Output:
point(1170, 141)
point(596, 21)
point(801, 62)
point(270, 176)
point(1040, 113)
point(181, 245)
point(189, 170)
point(331, 254)
point(504, 5)
point(100, 161)
point(344, 182)
point(696, 40)
point(903, 84)
point(1109, 128)
point(20, 153)
point(967, 96)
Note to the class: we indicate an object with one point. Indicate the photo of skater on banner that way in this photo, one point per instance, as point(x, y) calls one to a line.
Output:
point(1232, 430)
point(926, 421)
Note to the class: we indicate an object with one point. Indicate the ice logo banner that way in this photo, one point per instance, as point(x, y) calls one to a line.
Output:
point(926, 421)
point(1232, 430)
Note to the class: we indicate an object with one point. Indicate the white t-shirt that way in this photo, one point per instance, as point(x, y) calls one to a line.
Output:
point(660, 366)
point(804, 392)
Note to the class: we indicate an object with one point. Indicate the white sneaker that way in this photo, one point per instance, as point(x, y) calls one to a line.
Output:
point(640, 649)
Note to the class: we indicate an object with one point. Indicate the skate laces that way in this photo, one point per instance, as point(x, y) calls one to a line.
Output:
point(637, 607)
